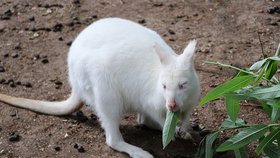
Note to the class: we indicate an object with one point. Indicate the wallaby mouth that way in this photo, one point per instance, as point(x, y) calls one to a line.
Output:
point(172, 105)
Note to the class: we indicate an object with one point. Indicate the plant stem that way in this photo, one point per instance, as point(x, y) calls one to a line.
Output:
point(278, 50)
point(229, 66)
point(236, 68)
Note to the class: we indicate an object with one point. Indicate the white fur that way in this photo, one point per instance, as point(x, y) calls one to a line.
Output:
point(117, 66)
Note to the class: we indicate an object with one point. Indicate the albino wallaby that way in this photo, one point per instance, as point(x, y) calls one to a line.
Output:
point(118, 66)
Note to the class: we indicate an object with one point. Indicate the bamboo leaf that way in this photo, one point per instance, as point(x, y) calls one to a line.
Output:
point(228, 123)
point(240, 153)
point(267, 108)
point(265, 93)
point(232, 107)
point(232, 85)
point(274, 58)
point(169, 127)
point(257, 65)
point(275, 115)
point(210, 139)
point(272, 151)
point(246, 136)
point(271, 69)
point(263, 70)
point(201, 149)
point(267, 140)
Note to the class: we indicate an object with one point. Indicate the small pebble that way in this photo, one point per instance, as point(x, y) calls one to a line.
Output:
point(13, 114)
point(6, 55)
point(36, 57)
point(17, 46)
point(57, 27)
point(3, 151)
point(57, 148)
point(274, 10)
point(59, 83)
point(10, 81)
point(12, 84)
point(14, 137)
point(2, 81)
point(158, 4)
point(69, 43)
point(142, 21)
point(60, 39)
point(171, 32)
point(76, 2)
point(28, 85)
point(79, 147)
point(14, 55)
point(94, 16)
point(7, 15)
point(2, 69)
point(45, 61)
point(195, 14)
point(2, 29)
point(32, 18)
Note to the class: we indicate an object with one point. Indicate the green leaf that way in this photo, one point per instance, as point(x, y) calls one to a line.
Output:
point(274, 102)
point(228, 123)
point(267, 140)
point(232, 107)
point(169, 127)
point(272, 151)
point(240, 153)
point(243, 73)
point(274, 58)
point(232, 85)
point(263, 70)
point(275, 115)
point(267, 108)
point(246, 136)
point(210, 139)
point(201, 149)
point(257, 65)
point(265, 93)
point(271, 69)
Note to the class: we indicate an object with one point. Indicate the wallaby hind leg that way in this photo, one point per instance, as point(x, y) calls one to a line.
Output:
point(109, 109)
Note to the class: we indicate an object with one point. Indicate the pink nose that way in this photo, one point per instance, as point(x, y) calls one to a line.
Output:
point(172, 105)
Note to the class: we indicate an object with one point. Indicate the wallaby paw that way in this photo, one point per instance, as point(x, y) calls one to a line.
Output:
point(183, 134)
point(141, 154)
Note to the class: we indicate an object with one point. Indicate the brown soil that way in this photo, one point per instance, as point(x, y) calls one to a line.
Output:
point(35, 37)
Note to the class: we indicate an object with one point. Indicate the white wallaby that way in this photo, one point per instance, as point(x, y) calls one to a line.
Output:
point(118, 66)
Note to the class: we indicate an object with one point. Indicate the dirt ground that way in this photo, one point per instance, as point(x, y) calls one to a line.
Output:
point(34, 39)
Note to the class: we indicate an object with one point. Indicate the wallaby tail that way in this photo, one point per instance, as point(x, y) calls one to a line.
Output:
point(72, 104)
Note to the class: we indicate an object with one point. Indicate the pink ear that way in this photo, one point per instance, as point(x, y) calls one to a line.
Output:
point(189, 51)
point(163, 55)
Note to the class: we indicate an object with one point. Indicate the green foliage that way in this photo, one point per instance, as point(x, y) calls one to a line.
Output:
point(169, 127)
point(246, 86)
point(232, 85)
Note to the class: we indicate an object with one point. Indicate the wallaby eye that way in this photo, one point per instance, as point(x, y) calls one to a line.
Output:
point(183, 85)
point(164, 86)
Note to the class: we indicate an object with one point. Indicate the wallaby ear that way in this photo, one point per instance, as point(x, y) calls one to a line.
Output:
point(162, 54)
point(189, 51)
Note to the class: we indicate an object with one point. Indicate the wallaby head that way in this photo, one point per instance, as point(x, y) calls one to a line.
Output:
point(177, 76)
